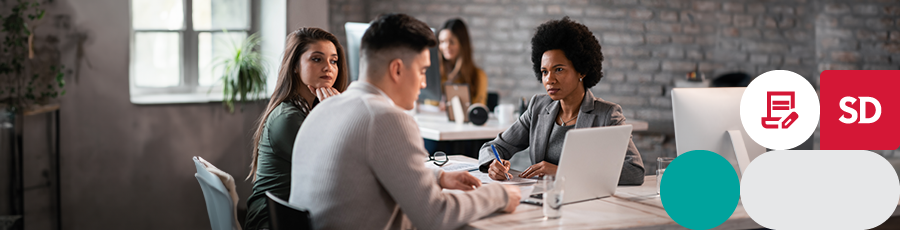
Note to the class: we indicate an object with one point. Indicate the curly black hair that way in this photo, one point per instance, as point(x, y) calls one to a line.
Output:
point(576, 41)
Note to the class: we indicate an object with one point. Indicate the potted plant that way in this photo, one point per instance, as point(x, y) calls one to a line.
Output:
point(244, 75)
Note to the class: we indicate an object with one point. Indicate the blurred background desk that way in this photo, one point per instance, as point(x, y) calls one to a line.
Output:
point(441, 134)
point(435, 126)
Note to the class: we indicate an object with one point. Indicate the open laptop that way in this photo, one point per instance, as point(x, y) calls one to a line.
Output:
point(591, 161)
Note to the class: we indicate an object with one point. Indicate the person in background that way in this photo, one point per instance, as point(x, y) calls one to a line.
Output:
point(359, 162)
point(457, 66)
point(567, 60)
point(313, 68)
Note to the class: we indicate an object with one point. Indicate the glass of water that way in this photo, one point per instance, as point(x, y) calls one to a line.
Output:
point(662, 164)
point(553, 196)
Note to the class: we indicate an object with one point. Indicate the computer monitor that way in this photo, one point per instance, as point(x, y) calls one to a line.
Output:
point(710, 119)
point(355, 31)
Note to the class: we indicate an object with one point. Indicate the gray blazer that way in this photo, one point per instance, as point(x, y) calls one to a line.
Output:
point(534, 126)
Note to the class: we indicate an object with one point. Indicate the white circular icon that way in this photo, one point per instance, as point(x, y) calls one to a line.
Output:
point(780, 109)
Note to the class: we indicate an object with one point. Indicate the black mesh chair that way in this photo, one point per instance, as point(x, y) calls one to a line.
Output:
point(283, 216)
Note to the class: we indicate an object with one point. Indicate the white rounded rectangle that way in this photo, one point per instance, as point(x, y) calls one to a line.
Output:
point(820, 189)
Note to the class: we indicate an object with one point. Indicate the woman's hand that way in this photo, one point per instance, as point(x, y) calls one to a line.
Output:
point(539, 169)
point(459, 180)
point(324, 92)
point(499, 170)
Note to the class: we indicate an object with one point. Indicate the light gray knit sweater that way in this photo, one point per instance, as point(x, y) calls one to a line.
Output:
point(358, 157)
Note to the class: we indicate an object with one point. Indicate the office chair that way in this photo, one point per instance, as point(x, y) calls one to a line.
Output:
point(285, 216)
point(219, 203)
point(493, 99)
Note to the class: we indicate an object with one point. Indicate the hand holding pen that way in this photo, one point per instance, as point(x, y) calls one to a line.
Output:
point(499, 169)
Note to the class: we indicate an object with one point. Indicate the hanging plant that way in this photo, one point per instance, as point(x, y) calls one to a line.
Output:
point(25, 81)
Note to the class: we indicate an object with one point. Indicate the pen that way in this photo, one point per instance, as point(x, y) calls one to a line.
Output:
point(497, 156)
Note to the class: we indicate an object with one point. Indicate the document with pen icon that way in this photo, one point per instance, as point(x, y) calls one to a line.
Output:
point(779, 110)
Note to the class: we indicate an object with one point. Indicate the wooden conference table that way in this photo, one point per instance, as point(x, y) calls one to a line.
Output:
point(632, 207)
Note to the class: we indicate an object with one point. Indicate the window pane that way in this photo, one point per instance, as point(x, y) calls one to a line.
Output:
point(221, 14)
point(157, 59)
point(157, 14)
point(212, 48)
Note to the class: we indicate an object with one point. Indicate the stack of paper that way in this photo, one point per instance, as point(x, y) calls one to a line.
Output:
point(452, 166)
point(485, 179)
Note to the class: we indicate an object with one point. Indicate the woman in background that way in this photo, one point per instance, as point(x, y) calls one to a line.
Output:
point(313, 68)
point(457, 66)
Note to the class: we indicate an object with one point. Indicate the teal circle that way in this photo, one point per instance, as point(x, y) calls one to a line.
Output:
point(700, 189)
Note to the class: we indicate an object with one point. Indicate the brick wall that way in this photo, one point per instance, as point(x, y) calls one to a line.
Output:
point(648, 44)
point(861, 35)
point(857, 35)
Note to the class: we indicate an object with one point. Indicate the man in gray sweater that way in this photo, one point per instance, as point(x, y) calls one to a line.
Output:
point(359, 160)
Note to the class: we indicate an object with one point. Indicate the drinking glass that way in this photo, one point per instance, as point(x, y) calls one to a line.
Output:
point(662, 163)
point(553, 196)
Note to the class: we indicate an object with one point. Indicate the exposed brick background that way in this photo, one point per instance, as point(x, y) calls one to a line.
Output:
point(857, 35)
point(648, 44)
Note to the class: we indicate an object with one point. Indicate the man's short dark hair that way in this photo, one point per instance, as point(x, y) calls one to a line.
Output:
point(391, 31)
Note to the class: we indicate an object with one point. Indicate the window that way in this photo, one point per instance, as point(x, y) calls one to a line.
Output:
point(175, 43)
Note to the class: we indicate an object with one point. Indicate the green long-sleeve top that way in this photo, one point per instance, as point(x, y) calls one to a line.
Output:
point(273, 170)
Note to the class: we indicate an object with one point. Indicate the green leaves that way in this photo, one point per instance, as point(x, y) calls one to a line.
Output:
point(244, 75)
point(25, 81)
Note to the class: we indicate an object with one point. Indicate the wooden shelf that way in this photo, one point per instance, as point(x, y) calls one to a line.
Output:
point(38, 109)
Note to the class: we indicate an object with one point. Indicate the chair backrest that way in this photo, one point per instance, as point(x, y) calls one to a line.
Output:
point(218, 201)
point(493, 100)
point(285, 216)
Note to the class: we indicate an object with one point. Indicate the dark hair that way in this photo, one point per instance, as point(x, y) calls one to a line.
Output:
point(289, 84)
point(390, 31)
point(468, 70)
point(577, 43)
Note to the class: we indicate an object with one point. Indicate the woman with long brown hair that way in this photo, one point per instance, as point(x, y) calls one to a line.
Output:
point(313, 68)
point(457, 66)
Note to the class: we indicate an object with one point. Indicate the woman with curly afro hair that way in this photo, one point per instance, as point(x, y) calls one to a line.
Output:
point(567, 60)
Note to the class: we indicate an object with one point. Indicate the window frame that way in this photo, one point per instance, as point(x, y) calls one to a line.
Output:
point(189, 89)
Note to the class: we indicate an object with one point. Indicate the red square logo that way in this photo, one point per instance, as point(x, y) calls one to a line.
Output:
point(857, 109)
